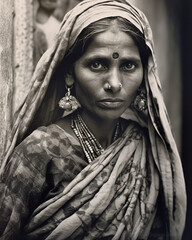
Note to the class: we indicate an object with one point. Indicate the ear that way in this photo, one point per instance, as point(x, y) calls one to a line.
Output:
point(69, 79)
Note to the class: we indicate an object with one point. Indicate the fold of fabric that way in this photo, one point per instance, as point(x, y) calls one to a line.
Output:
point(162, 144)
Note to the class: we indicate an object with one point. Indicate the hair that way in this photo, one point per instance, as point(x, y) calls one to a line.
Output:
point(100, 26)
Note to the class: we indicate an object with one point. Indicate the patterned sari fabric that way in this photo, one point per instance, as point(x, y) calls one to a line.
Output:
point(114, 197)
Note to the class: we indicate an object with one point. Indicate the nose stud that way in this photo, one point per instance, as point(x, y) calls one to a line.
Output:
point(109, 86)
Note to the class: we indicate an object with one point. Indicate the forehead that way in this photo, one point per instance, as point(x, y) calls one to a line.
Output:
point(112, 40)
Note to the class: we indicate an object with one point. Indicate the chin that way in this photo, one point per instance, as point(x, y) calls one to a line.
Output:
point(109, 114)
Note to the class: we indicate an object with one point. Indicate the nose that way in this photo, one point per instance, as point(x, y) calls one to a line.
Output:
point(113, 81)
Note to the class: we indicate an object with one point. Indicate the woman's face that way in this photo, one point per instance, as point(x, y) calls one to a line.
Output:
point(48, 4)
point(108, 74)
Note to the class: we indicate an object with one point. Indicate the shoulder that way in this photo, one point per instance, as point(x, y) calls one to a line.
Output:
point(133, 127)
point(45, 140)
point(40, 147)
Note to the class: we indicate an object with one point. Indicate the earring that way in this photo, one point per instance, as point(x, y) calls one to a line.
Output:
point(140, 102)
point(69, 102)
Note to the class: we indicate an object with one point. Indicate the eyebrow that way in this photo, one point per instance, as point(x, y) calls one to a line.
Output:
point(107, 58)
point(103, 56)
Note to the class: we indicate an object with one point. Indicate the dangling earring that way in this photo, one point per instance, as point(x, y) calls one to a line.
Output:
point(69, 102)
point(140, 101)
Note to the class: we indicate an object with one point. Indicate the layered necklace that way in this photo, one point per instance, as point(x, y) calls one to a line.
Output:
point(91, 147)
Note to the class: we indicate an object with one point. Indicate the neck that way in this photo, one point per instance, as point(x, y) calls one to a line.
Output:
point(43, 15)
point(102, 129)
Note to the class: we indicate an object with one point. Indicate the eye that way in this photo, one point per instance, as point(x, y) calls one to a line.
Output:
point(129, 66)
point(97, 66)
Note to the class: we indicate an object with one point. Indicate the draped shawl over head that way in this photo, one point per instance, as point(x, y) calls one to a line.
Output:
point(163, 146)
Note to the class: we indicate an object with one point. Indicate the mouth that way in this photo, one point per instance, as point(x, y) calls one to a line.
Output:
point(110, 103)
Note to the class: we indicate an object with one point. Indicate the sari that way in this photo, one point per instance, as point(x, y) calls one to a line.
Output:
point(116, 195)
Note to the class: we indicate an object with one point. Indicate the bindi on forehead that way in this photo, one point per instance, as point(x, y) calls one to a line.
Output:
point(115, 55)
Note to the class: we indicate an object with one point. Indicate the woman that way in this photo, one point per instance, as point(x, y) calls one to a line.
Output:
point(103, 164)
point(46, 26)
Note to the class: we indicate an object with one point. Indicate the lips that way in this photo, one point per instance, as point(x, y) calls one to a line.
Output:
point(111, 103)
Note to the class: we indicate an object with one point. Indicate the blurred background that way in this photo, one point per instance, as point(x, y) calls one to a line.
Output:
point(28, 28)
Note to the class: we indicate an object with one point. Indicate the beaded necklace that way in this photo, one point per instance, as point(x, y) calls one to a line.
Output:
point(91, 147)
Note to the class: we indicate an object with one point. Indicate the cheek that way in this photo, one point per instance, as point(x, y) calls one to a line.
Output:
point(86, 85)
point(84, 92)
point(132, 85)
point(140, 77)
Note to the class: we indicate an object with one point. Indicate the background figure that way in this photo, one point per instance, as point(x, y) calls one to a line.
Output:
point(46, 27)
point(63, 7)
point(48, 16)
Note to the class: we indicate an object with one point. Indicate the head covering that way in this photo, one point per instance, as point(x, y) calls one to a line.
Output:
point(163, 146)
